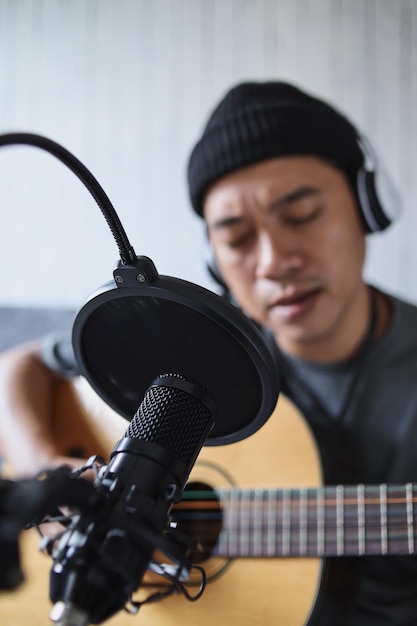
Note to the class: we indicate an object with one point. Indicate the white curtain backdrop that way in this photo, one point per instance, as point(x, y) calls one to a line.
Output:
point(126, 86)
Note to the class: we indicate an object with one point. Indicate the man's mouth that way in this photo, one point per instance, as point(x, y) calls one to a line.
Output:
point(295, 304)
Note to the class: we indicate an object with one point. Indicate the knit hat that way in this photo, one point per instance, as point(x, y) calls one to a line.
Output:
point(259, 121)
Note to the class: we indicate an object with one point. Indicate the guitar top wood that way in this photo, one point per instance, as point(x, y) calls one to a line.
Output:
point(274, 591)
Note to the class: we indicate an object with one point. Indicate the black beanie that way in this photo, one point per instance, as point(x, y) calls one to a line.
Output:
point(258, 121)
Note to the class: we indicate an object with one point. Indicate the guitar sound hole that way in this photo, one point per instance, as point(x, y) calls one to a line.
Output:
point(199, 515)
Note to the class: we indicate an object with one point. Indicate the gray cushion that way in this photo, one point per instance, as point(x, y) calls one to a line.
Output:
point(20, 324)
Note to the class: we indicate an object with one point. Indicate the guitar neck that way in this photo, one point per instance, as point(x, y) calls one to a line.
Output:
point(325, 521)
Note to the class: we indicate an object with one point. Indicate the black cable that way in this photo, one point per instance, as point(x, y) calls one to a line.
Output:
point(127, 253)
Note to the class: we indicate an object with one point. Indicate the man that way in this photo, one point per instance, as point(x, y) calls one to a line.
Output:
point(280, 179)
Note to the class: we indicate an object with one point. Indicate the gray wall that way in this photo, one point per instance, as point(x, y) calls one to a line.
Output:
point(126, 85)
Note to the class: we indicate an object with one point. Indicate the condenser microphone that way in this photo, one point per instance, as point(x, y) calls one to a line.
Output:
point(101, 559)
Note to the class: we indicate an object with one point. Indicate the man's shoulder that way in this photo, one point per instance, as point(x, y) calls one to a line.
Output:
point(400, 340)
point(400, 306)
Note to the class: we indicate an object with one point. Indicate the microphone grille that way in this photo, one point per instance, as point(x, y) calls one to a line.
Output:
point(172, 417)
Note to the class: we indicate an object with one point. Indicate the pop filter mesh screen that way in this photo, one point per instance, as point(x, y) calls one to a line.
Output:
point(128, 341)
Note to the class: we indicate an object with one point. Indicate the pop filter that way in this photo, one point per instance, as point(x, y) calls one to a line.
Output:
point(144, 324)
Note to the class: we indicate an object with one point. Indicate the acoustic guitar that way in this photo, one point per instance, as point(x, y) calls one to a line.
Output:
point(264, 524)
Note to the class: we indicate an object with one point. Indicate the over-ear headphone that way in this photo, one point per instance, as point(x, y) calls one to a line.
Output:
point(378, 198)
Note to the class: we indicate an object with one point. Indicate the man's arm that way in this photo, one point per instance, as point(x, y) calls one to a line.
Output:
point(27, 388)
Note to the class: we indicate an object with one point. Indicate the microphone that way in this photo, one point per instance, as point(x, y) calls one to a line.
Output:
point(102, 557)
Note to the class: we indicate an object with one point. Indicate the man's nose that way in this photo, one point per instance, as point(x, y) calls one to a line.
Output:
point(277, 256)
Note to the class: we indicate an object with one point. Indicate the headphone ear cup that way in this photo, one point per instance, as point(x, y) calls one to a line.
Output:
point(378, 198)
point(372, 212)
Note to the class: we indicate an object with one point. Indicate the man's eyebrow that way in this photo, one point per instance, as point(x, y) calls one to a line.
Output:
point(224, 222)
point(293, 196)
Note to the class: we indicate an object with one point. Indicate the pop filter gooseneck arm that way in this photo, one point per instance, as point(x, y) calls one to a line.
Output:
point(127, 253)
point(142, 325)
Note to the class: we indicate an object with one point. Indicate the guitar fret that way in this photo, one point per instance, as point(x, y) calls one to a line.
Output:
point(321, 526)
point(360, 491)
point(271, 522)
point(383, 517)
point(340, 521)
point(303, 522)
point(410, 519)
point(257, 525)
point(286, 522)
point(374, 533)
point(244, 527)
point(233, 522)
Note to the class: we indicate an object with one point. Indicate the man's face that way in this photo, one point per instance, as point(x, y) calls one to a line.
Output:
point(289, 244)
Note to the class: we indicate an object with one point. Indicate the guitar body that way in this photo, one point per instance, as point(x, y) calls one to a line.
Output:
point(270, 591)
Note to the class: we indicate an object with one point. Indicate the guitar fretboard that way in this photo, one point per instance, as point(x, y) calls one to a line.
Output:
point(326, 521)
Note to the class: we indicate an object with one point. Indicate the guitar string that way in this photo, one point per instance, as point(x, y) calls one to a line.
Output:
point(256, 540)
point(198, 500)
point(350, 515)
